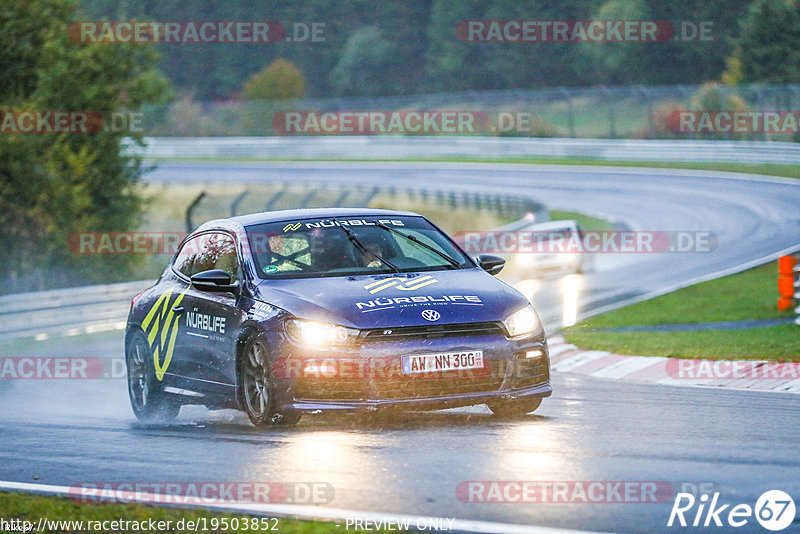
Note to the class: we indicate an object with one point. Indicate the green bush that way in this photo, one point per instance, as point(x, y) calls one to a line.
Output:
point(281, 80)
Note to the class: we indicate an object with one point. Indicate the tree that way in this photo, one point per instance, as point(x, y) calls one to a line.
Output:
point(424, 52)
point(688, 58)
point(613, 62)
point(365, 65)
point(768, 45)
point(53, 185)
point(456, 65)
point(280, 80)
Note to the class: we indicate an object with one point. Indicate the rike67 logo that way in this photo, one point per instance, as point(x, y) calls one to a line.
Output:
point(774, 511)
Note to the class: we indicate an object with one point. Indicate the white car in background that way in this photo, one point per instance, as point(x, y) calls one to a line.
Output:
point(557, 247)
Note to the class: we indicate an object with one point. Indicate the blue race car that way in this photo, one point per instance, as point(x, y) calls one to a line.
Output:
point(283, 313)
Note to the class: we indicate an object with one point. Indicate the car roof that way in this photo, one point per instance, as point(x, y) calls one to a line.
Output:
point(299, 214)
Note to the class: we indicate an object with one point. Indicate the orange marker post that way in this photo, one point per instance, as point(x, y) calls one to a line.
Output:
point(787, 267)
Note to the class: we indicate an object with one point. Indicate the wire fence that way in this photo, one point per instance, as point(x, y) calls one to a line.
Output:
point(629, 112)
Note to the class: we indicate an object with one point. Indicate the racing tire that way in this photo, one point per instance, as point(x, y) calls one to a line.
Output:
point(255, 387)
point(147, 400)
point(515, 407)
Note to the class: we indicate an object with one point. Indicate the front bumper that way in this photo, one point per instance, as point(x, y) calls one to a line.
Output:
point(422, 403)
point(370, 377)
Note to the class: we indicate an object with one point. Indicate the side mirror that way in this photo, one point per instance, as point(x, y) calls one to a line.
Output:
point(215, 281)
point(491, 264)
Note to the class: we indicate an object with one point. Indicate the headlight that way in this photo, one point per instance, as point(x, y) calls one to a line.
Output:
point(524, 321)
point(320, 334)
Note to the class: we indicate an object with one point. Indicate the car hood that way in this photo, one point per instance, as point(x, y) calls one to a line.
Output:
point(393, 300)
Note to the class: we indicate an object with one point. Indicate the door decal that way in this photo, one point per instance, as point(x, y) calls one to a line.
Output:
point(161, 326)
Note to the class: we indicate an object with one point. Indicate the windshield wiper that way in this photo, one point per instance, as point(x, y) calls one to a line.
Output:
point(360, 246)
point(413, 239)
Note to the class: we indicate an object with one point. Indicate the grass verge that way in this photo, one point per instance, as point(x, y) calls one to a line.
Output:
point(33, 507)
point(744, 296)
point(779, 343)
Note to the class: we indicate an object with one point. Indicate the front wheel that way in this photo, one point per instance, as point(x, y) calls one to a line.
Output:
point(147, 401)
point(256, 387)
point(514, 407)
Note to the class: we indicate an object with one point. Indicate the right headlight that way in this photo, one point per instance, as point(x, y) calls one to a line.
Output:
point(318, 334)
point(522, 322)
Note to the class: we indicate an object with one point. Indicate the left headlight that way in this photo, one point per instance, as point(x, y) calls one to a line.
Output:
point(319, 334)
point(524, 321)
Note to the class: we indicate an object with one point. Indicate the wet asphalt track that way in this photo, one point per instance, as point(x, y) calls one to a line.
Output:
point(743, 443)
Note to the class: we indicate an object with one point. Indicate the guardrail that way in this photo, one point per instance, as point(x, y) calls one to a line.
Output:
point(402, 147)
point(69, 311)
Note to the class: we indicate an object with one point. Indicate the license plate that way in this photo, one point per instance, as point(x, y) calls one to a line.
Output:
point(448, 361)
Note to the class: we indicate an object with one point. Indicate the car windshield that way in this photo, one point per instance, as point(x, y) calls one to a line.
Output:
point(311, 248)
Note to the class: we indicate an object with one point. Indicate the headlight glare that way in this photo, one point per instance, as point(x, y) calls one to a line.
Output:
point(524, 321)
point(319, 334)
